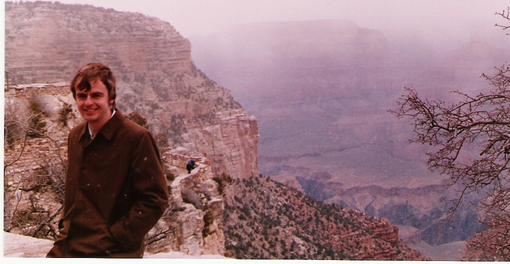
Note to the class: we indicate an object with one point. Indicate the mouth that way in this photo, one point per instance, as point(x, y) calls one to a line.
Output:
point(89, 111)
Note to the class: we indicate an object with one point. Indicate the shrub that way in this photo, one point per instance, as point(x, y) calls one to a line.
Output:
point(139, 119)
point(37, 124)
point(63, 114)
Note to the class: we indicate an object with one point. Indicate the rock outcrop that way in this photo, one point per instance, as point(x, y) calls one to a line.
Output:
point(46, 43)
point(189, 115)
point(194, 222)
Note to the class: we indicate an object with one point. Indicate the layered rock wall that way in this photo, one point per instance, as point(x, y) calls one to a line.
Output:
point(217, 143)
point(47, 43)
point(190, 116)
point(36, 32)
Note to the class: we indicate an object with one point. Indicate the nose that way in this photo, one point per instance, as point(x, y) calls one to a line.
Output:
point(88, 100)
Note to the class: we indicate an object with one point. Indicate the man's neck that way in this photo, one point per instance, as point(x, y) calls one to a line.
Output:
point(93, 128)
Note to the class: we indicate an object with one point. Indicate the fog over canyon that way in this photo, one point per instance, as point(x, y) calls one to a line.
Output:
point(322, 90)
point(298, 92)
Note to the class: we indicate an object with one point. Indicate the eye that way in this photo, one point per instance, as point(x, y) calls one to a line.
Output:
point(81, 96)
point(97, 95)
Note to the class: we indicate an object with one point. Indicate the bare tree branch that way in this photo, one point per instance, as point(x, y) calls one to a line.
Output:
point(470, 143)
point(505, 14)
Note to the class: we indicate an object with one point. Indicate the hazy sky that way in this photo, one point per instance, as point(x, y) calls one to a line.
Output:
point(431, 18)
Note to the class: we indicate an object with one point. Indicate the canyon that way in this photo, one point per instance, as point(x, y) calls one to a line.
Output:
point(323, 92)
point(191, 117)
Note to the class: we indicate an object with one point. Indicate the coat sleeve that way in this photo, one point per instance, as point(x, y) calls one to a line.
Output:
point(151, 193)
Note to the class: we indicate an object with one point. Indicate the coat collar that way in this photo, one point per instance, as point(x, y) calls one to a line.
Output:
point(108, 130)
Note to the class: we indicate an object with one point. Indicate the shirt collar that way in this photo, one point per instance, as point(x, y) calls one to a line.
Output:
point(108, 130)
point(90, 130)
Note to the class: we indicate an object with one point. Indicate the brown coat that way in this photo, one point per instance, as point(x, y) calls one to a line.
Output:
point(115, 191)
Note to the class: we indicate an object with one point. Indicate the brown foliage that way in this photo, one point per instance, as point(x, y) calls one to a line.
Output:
point(28, 208)
point(139, 119)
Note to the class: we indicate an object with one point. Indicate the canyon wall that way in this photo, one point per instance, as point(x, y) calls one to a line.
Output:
point(46, 43)
point(190, 116)
point(321, 91)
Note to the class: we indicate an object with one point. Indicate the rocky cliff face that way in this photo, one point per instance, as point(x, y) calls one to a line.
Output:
point(35, 168)
point(194, 222)
point(48, 42)
point(266, 219)
point(190, 116)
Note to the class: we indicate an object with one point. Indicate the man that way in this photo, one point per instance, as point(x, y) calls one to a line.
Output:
point(190, 165)
point(115, 190)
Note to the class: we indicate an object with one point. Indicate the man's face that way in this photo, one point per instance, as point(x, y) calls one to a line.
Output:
point(94, 105)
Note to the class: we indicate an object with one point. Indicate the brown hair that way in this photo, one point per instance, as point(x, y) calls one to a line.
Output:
point(91, 72)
